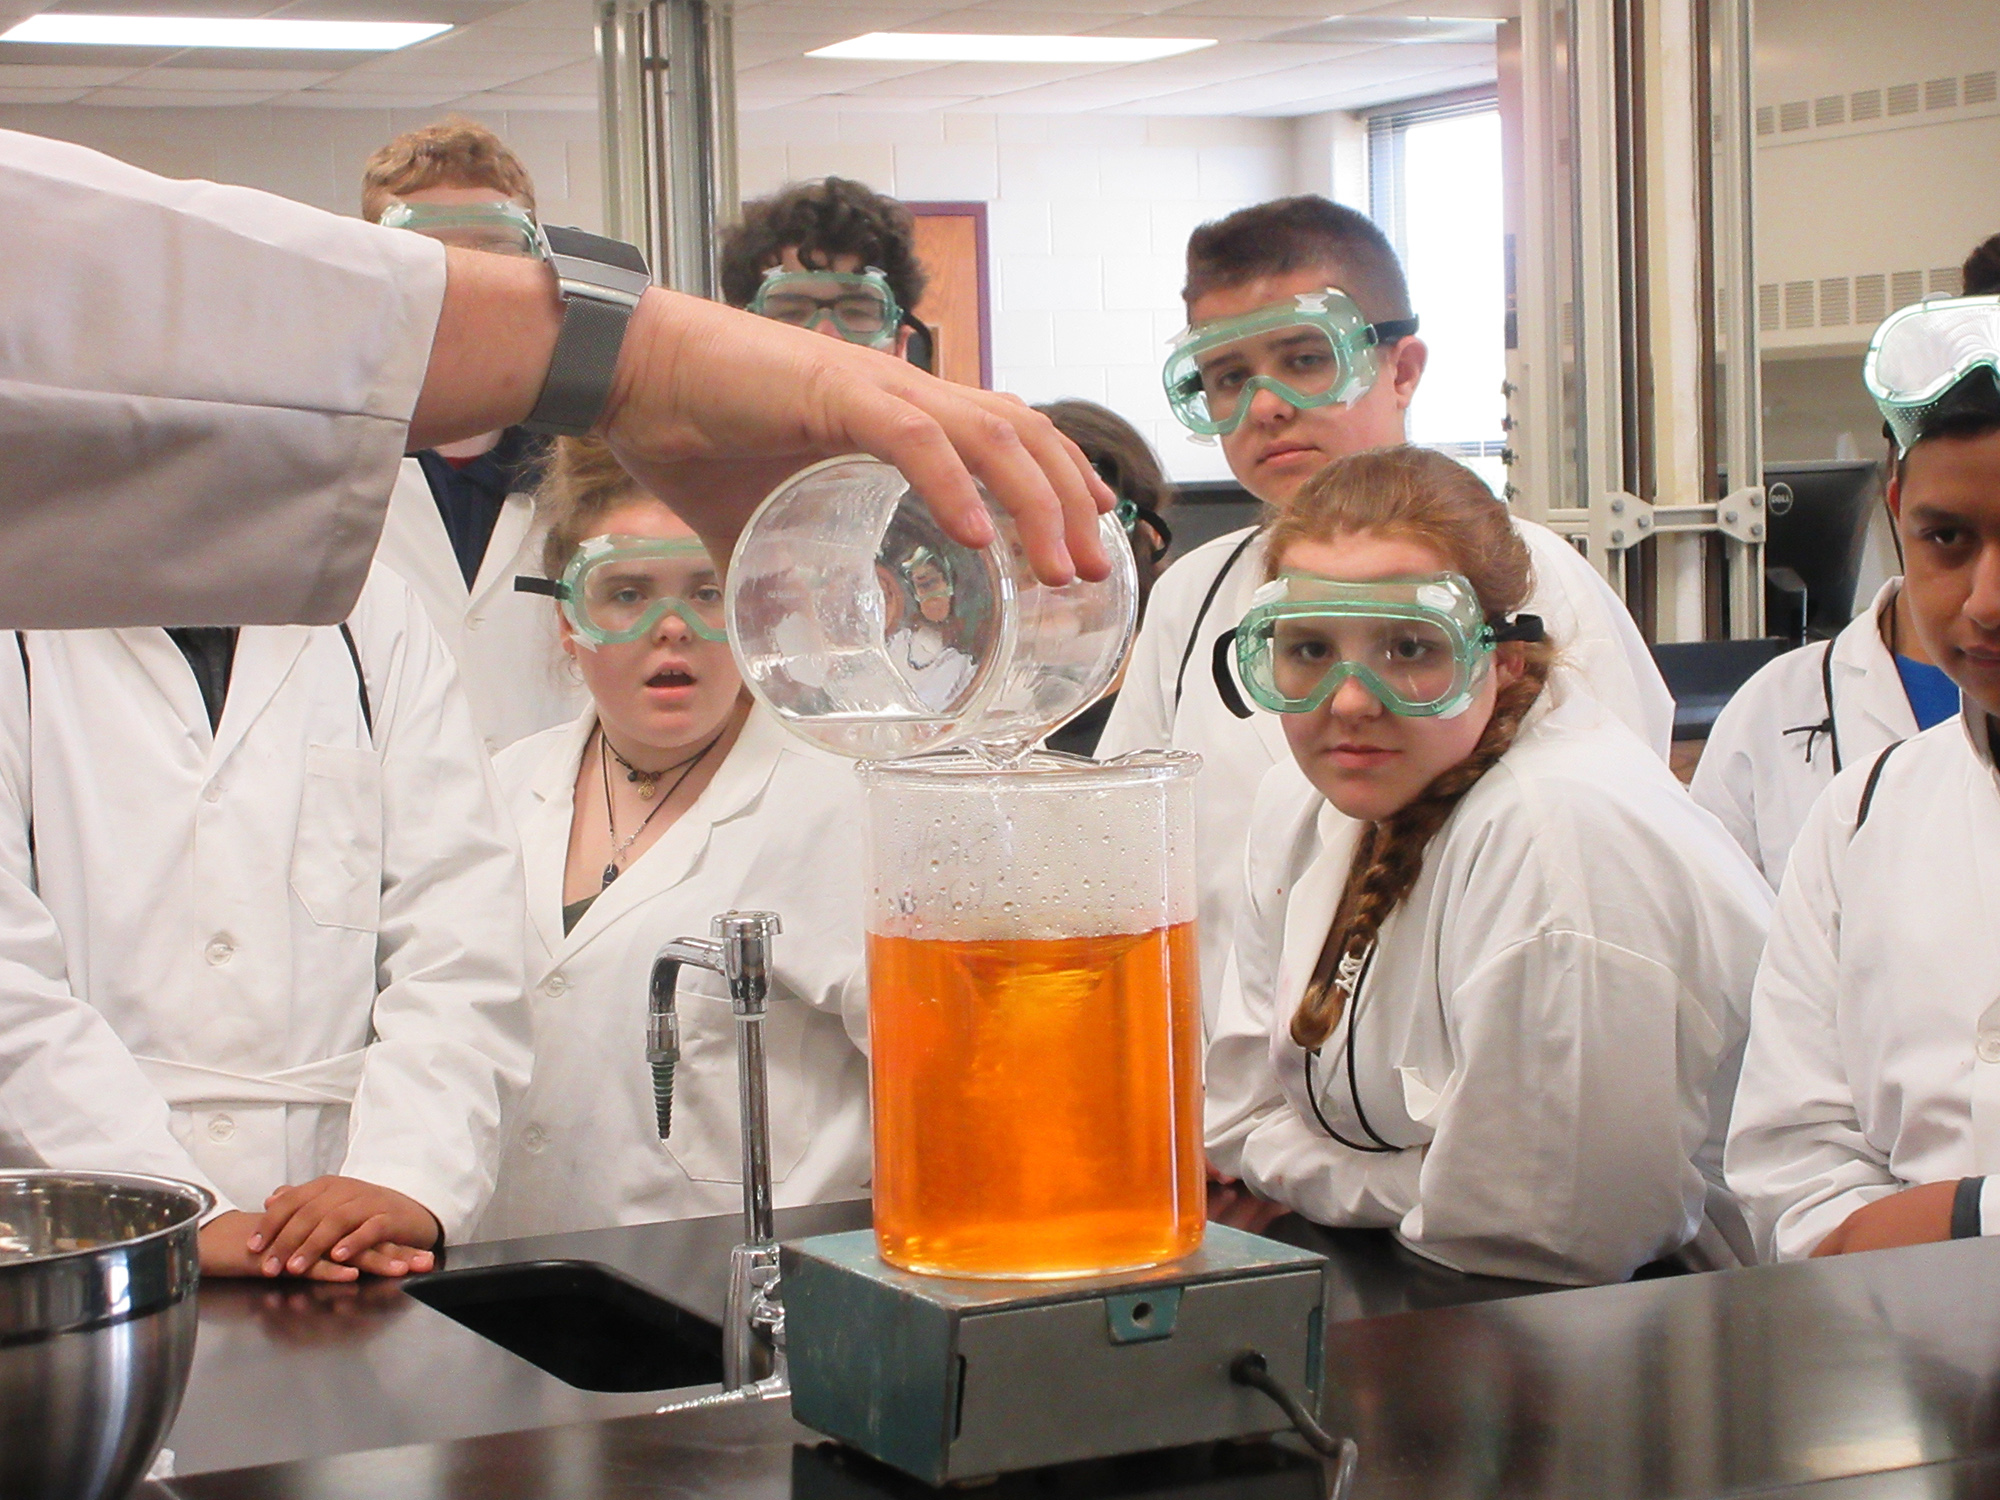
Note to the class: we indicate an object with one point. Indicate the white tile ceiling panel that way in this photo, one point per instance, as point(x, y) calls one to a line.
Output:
point(874, 103)
point(20, 75)
point(325, 99)
point(571, 78)
point(39, 96)
point(818, 75)
point(226, 80)
point(544, 103)
point(128, 98)
point(971, 80)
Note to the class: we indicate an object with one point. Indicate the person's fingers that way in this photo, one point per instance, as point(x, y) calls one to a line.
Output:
point(1083, 494)
point(392, 1259)
point(304, 1218)
point(335, 1225)
point(326, 1270)
point(904, 434)
point(370, 1232)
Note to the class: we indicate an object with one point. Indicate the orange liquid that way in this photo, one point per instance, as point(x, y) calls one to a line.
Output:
point(1037, 1103)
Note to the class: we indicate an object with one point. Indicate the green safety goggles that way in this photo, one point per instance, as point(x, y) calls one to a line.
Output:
point(861, 306)
point(498, 228)
point(618, 588)
point(1315, 350)
point(1422, 646)
point(1924, 358)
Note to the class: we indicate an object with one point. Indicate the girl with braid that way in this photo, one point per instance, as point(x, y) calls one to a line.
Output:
point(1490, 986)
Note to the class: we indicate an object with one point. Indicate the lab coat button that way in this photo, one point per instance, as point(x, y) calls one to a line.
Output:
point(555, 984)
point(1989, 1047)
point(220, 951)
point(473, 622)
point(213, 794)
point(221, 1128)
point(534, 1138)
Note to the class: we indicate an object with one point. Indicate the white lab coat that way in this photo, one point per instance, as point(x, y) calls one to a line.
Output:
point(204, 394)
point(1550, 1026)
point(1769, 757)
point(778, 829)
point(1602, 650)
point(1874, 1056)
point(307, 935)
point(509, 661)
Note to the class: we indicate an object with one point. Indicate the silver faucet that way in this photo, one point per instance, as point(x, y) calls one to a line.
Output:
point(739, 949)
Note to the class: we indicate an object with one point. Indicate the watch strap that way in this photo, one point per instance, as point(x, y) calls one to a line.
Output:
point(601, 281)
point(1965, 1215)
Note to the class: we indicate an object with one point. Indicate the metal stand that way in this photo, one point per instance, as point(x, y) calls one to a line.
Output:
point(753, 1333)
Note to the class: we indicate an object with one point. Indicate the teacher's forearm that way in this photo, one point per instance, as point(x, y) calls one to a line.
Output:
point(491, 354)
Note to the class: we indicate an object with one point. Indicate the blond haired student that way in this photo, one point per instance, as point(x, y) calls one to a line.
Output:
point(1490, 981)
point(672, 798)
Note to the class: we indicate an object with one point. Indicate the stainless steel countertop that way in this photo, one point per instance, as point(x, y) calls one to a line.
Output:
point(1870, 1377)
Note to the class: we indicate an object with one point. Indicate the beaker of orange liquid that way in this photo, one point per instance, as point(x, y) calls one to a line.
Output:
point(1034, 1014)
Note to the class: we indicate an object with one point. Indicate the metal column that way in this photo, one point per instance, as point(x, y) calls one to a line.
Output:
point(667, 131)
point(1633, 383)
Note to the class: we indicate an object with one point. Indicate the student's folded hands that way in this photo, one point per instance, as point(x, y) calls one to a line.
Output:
point(329, 1229)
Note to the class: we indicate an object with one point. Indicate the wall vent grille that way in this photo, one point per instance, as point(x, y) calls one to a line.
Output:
point(1903, 99)
point(1867, 105)
point(1979, 87)
point(1871, 299)
point(1830, 109)
point(1844, 302)
point(1767, 120)
point(1941, 93)
point(1794, 116)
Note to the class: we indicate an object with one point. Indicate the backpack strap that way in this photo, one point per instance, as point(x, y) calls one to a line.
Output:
point(1214, 588)
point(360, 681)
point(1868, 787)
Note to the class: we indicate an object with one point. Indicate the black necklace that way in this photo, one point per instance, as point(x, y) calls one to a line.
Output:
point(686, 768)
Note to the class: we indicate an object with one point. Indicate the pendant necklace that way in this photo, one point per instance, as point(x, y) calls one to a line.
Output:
point(651, 780)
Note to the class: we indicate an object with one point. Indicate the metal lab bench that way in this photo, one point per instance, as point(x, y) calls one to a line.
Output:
point(1870, 1377)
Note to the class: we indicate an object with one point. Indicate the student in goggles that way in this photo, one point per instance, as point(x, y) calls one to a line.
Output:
point(1493, 969)
point(461, 520)
point(1280, 366)
point(1801, 720)
point(831, 256)
point(671, 797)
point(1865, 1119)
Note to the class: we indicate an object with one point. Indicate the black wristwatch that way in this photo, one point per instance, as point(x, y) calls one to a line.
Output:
point(601, 281)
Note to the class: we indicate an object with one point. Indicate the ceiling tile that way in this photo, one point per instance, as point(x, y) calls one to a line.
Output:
point(39, 96)
point(226, 80)
point(18, 75)
point(124, 98)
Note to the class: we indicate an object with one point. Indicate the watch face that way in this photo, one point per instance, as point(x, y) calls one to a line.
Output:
point(497, 228)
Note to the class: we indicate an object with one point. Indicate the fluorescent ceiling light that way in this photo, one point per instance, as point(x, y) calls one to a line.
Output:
point(217, 31)
point(967, 46)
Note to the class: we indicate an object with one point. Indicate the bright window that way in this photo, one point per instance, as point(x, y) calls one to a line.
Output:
point(1434, 187)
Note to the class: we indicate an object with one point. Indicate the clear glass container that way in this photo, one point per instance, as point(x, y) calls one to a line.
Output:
point(1034, 1014)
point(868, 631)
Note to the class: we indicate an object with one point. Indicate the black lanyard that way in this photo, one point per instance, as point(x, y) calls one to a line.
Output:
point(1381, 1147)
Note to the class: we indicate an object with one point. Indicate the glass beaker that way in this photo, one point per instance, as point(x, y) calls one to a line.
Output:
point(1034, 1014)
point(868, 631)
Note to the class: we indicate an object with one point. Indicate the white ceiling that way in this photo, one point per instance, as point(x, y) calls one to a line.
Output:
point(539, 55)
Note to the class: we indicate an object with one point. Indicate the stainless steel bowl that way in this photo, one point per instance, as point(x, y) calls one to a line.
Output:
point(97, 1322)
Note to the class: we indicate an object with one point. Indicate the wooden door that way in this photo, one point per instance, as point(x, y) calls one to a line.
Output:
point(951, 244)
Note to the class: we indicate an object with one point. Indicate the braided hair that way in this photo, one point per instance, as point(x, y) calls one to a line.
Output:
point(1426, 497)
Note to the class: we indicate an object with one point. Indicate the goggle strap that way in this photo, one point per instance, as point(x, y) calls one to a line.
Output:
point(1225, 683)
point(1520, 628)
point(530, 584)
point(1390, 329)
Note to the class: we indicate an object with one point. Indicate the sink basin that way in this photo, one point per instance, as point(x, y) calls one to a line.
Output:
point(582, 1322)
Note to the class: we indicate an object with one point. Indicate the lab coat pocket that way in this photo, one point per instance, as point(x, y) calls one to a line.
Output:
point(337, 856)
point(706, 1140)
